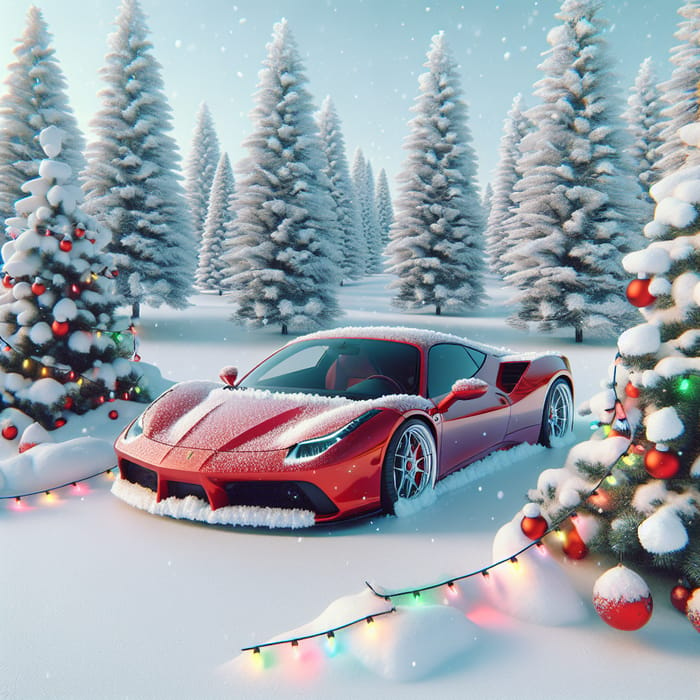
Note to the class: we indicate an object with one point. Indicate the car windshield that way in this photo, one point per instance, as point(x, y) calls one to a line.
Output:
point(355, 368)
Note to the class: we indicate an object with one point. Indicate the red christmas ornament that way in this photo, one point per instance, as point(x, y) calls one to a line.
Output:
point(38, 288)
point(574, 546)
point(66, 245)
point(661, 464)
point(638, 293)
point(48, 232)
point(24, 446)
point(601, 500)
point(9, 432)
point(74, 291)
point(59, 422)
point(632, 391)
point(137, 357)
point(693, 609)
point(60, 328)
point(622, 599)
point(79, 231)
point(115, 273)
point(113, 414)
point(68, 403)
point(679, 597)
point(7, 281)
point(533, 524)
point(125, 396)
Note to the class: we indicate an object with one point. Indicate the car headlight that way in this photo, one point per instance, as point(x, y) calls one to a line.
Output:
point(308, 449)
point(135, 429)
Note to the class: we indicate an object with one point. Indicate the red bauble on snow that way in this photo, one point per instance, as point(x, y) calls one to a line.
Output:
point(533, 524)
point(66, 245)
point(679, 597)
point(7, 282)
point(113, 414)
point(693, 609)
point(534, 528)
point(79, 231)
point(60, 328)
point(661, 464)
point(622, 599)
point(59, 422)
point(638, 293)
point(574, 546)
point(38, 287)
point(9, 432)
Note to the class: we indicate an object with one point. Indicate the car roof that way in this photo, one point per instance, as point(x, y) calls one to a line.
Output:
point(417, 336)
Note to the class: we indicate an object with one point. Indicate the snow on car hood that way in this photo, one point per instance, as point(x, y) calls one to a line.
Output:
point(254, 420)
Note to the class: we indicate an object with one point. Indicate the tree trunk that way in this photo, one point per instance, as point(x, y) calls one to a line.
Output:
point(579, 334)
point(136, 310)
point(438, 309)
point(285, 330)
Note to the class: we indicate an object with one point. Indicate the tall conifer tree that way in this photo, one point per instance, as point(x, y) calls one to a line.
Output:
point(281, 263)
point(132, 180)
point(576, 199)
point(436, 244)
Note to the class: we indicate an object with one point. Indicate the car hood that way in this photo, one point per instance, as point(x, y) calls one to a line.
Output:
point(204, 415)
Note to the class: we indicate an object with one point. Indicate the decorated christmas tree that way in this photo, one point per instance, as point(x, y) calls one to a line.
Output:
point(634, 488)
point(61, 348)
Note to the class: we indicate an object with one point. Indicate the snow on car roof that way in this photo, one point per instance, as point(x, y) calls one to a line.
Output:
point(417, 336)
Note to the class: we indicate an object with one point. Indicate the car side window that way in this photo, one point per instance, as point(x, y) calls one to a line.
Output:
point(449, 362)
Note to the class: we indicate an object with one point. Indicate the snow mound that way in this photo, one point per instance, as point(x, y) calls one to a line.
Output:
point(192, 508)
point(620, 583)
point(413, 643)
point(533, 589)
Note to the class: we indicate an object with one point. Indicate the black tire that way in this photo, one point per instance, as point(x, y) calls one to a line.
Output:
point(558, 413)
point(410, 464)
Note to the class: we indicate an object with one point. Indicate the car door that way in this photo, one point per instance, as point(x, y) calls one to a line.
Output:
point(469, 428)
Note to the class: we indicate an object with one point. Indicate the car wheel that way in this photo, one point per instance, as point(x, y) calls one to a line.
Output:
point(557, 418)
point(410, 464)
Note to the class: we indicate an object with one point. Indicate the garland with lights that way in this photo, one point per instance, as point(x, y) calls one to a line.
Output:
point(18, 497)
point(328, 633)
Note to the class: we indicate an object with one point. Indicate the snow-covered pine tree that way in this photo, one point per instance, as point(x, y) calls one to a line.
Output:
point(363, 186)
point(384, 207)
point(36, 97)
point(515, 127)
point(62, 346)
point(643, 117)
point(436, 246)
point(680, 93)
point(132, 181)
point(281, 262)
point(576, 198)
point(644, 507)
point(200, 168)
point(218, 227)
point(352, 248)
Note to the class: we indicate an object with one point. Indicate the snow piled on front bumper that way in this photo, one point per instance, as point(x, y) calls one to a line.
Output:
point(193, 508)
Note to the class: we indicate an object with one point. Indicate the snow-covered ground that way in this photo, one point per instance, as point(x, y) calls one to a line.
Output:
point(100, 600)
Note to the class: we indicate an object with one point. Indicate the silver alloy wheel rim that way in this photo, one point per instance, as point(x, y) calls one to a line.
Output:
point(414, 462)
point(560, 411)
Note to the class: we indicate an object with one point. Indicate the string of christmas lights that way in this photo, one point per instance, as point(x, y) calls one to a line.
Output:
point(329, 633)
point(66, 373)
point(18, 497)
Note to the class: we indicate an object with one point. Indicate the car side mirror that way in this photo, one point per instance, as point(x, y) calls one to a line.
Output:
point(463, 390)
point(228, 375)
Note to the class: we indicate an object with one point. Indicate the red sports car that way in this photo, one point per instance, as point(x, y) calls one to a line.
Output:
point(336, 424)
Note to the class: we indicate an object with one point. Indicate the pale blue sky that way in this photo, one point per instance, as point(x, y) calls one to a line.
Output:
point(366, 54)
